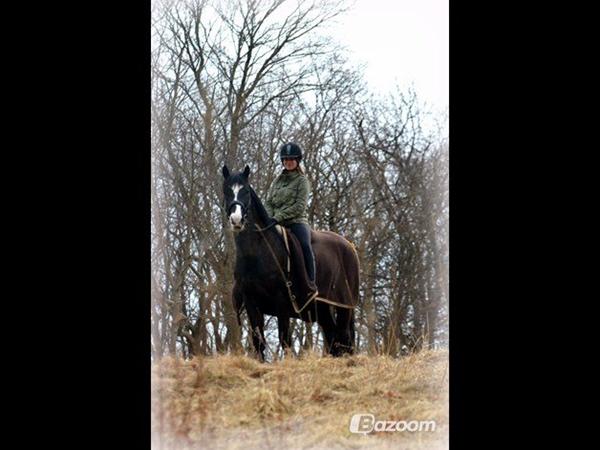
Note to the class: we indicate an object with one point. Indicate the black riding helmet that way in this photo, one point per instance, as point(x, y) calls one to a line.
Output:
point(290, 150)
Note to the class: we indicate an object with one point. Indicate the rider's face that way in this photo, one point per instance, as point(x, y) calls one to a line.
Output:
point(290, 163)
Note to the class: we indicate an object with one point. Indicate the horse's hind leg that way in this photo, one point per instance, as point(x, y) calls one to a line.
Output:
point(257, 323)
point(327, 324)
point(345, 330)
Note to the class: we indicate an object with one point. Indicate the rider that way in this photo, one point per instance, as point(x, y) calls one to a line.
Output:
point(287, 202)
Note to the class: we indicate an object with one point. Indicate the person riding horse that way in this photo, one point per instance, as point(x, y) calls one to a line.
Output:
point(287, 201)
point(262, 287)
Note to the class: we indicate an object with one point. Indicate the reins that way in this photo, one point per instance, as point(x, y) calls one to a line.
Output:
point(265, 228)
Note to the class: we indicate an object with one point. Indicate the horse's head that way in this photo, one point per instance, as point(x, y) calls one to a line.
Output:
point(236, 191)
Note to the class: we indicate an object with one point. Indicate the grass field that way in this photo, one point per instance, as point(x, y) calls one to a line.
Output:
point(235, 402)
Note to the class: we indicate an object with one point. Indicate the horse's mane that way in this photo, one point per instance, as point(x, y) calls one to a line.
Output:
point(260, 209)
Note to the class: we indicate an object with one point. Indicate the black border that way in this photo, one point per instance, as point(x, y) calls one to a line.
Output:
point(93, 194)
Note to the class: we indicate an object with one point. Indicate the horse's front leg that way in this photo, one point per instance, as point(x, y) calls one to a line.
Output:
point(257, 325)
point(285, 337)
point(237, 298)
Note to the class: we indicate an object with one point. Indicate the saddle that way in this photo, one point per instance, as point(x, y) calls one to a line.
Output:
point(298, 284)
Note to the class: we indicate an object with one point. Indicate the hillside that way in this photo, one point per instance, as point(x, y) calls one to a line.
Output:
point(235, 402)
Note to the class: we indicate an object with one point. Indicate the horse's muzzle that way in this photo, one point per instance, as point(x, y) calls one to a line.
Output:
point(237, 227)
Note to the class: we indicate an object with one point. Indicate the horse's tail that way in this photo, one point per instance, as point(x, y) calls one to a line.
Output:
point(352, 333)
point(353, 273)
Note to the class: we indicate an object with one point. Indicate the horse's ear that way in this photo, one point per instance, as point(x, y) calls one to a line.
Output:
point(225, 172)
point(246, 172)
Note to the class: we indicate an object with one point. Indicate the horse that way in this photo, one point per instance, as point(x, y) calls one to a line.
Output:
point(260, 283)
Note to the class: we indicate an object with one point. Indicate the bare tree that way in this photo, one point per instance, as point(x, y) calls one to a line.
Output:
point(233, 80)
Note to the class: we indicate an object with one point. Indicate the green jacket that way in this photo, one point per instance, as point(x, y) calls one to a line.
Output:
point(287, 199)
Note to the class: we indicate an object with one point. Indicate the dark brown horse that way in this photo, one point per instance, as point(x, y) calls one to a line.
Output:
point(260, 283)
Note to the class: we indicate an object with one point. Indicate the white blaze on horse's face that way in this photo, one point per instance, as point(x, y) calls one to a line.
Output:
point(236, 216)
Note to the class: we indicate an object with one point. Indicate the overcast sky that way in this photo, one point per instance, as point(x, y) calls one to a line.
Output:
point(401, 41)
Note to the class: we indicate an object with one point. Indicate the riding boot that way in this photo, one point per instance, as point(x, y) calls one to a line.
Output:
point(310, 270)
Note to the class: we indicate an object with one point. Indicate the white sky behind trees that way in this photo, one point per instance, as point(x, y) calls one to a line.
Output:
point(399, 43)
point(402, 43)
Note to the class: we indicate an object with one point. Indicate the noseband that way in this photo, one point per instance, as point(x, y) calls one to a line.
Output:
point(234, 203)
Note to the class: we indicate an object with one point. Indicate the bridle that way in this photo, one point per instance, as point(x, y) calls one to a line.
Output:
point(245, 214)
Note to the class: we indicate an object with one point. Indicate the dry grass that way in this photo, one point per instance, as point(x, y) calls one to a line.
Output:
point(233, 402)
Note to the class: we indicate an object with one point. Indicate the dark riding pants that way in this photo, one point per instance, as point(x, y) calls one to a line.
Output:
point(302, 232)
